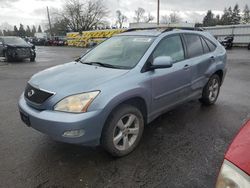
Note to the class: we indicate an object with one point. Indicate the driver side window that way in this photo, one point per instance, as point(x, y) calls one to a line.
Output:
point(170, 46)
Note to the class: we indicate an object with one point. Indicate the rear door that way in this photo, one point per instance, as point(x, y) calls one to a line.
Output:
point(170, 85)
point(201, 58)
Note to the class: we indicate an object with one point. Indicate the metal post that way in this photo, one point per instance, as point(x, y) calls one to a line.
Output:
point(50, 30)
point(158, 12)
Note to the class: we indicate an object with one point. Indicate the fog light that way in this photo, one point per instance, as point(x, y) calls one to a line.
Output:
point(74, 133)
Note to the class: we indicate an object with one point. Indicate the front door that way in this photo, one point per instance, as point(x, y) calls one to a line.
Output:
point(170, 85)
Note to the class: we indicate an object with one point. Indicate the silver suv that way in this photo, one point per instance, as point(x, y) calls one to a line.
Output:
point(109, 94)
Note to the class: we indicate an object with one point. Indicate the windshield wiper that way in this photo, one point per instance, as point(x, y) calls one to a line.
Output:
point(101, 64)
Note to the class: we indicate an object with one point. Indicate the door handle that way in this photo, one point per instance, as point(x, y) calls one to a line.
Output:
point(212, 58)
point(186, 67)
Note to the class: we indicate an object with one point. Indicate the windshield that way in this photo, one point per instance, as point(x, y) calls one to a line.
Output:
point(120, 51)
point(14, 40)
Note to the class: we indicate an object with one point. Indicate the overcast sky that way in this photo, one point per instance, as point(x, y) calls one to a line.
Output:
point(33, 12)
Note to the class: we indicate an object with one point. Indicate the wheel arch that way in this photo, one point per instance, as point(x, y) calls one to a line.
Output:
point(136, 101)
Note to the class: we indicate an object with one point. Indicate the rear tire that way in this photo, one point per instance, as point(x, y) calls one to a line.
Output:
point(211, 90)
point(248, 46)
point(122, 131)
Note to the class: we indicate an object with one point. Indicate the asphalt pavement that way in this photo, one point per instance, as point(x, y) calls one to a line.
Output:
point(182, 148)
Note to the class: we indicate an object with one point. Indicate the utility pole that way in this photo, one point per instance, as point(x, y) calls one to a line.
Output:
point(50, 30)
point(158, 12)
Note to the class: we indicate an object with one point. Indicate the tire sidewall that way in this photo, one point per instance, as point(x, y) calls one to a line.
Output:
point(205, 94)
point(108, 130)
point(7, 57)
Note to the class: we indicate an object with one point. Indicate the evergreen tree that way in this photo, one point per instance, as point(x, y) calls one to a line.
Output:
point(209, 19)
point(226, 17)
point(33, 31)
point(236, 15)
point(21, 31)
point(28, 31)
point(15, 30)
point(7, 33)
point(217, 19)
point(230, 12)
point(39, 29)
point(246, 15)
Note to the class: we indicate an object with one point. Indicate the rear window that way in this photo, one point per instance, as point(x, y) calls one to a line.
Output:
point(194, 46)
point(211, 46)
point(205, 46)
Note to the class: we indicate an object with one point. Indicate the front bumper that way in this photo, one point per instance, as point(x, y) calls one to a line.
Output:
point(19, 54)
point(55, 124)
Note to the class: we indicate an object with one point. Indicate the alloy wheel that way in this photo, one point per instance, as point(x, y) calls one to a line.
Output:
point(213, 89)
point(126, 132)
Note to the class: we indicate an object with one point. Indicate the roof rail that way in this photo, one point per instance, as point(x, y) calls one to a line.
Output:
point(166, 29)
point(183, 28)
point(143, 28)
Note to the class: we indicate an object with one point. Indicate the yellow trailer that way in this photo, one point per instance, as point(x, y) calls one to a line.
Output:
point(86, 37)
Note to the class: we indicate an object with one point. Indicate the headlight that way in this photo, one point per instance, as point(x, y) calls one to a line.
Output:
point(76, 103)
point(232, 177)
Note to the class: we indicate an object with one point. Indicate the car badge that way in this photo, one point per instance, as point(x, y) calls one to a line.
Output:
point(31, 93)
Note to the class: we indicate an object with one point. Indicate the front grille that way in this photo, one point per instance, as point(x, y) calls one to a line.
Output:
point(36, 95)
point(23, 51)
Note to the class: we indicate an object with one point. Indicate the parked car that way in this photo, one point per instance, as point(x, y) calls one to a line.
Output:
point(228, 42)
point(15, 48)
point(40, 41)
point(122, 84)
point(235, 170)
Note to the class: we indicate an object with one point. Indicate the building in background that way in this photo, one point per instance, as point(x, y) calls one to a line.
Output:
point(241, 33)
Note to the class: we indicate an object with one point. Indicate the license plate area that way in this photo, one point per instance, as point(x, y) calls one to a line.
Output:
point(25, 119)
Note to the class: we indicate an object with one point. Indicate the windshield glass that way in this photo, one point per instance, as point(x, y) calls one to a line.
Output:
point(120, 51)
point(14, 40)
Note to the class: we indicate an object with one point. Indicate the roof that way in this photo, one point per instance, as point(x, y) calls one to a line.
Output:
point(149, 32)
point(156, 31)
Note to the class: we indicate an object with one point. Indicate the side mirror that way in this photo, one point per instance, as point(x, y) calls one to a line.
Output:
point(162, 62)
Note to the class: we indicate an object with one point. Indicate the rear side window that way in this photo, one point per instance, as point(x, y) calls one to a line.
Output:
point(205, 46)
point(211, 46)
point(170, 46)
point(194, 46)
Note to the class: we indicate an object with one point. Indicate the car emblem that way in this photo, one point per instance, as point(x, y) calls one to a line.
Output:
point(31, 93)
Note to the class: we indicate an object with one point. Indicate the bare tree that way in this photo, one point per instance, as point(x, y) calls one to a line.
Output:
point(174, 18)
point(84, 15)
point(120, 18)
point(164, 19)
point(149, 18)
point(139, 15)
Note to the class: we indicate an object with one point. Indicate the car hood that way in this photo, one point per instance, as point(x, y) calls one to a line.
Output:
point(18, 45)
point(74, 77)
point(238, 152)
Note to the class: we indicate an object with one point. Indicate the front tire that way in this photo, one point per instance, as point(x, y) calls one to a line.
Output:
point(32, 59)
point(211, 90)
point(123, 131)
point(8, 57)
